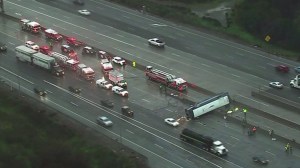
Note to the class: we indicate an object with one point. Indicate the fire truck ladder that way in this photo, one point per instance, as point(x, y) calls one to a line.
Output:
point(169, 77)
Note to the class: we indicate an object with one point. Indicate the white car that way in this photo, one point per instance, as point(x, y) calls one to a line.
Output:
point(104, 84)
point(277, 85)
point(156, 42)
point(120, 91)
point(84, 12)
point(32, 45)
point(119, 60)
point(172, 122)
point(104, 121)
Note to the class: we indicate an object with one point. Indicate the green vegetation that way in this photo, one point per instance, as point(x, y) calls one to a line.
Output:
point(251, 20)
point(29, 139)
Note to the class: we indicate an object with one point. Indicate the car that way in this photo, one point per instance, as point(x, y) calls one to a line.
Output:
point(84, 12)
point(282, 68)
point(260, 160)
point(120, 91)
point(3, 47)
point(88, 51)
point(119, 60)
point(32, 45)
point(127, 111)
point(78, 2)
point(104, 121)
point(107, 103)
point(72, 41)
point(172, 122)
point(40, 91)
point(277, 85)
point(103, 55)
point(74, 89)
point(66, 49)
point(297, 70)
point(45, 50)
point(156, 42)
point(104, 84)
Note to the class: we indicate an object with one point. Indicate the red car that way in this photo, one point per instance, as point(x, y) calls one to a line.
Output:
point(282, 68)
point(45, 50)
point(72, 41)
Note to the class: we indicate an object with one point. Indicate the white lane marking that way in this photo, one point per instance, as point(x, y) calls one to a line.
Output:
point(124, 51)
point(235, 75)
point(201, 123)
point(48, 91)
point(11, 43)
point(253, 100)
point(41, 8)
point(59, 26)
point(16, 75)
point(159, 146)
point(149, 132)
point(18, 14)
point(176, 55)
point(119, 35)
point(169, 110)
point(74, 104)
point(92, 122)
point(129, 131)
point(271, 64)
point(270, 153)
point(146, 100)
point(126, 16)
point(205, 65)
point(235, 138)
point(158, 25)
point(262, 67)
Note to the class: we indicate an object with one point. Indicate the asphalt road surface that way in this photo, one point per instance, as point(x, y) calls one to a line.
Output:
point(146, 132)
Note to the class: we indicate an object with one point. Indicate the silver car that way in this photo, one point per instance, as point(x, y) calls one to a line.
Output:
point(84, 12)
point(104, 121)
point(277, 85)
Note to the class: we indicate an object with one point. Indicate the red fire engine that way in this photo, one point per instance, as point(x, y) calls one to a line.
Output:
point(166, 79)
point(52, 34)
point(72, 41)
point(31, 26)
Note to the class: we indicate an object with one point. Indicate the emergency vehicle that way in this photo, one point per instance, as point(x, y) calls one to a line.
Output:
point(86, 72)
point(70, 51)
point(72, 41)
point(106, 66)
point(45, 50)
point(60, 59)
point(87, 50)
point(166, 79)
point(30, 26)
point(52, 34)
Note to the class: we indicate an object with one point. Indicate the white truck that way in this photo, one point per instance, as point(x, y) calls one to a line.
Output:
point(104, 84)
point(117, 78)
point(86, 72)
point(26, 54)
point(120, 91)
point(295, 83)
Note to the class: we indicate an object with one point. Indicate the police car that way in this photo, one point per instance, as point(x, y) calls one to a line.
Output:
point(119, 60)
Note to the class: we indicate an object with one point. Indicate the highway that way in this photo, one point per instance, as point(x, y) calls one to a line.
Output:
point(146, 132)
point(154, 107)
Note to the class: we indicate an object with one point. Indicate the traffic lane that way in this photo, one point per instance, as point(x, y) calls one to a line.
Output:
point(239, 53)
point(287, 92)
point(113, 45)
point(235, 138)
point(29, 35)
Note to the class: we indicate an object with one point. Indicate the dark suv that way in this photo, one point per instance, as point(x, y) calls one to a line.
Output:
point(2, 47)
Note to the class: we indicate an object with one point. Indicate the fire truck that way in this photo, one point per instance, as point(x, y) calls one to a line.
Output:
point(60, 59)
point(117, 78)
point(31, 26)
point(45, 50)
point(52, 34)
point(106, 66)
point(85, 72)
point(166, 79)
point(72, 64)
